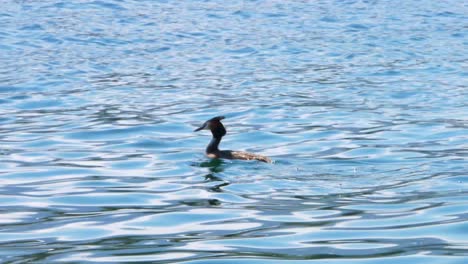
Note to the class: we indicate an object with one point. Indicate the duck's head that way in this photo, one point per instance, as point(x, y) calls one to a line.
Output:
point(215, 125)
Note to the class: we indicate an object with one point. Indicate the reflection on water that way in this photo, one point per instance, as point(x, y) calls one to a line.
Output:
point(362, 105)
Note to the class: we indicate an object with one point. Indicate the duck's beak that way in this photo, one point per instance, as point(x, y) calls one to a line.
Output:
point(204, 126)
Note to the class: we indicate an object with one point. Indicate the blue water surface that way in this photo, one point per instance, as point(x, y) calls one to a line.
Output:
point(361, 104)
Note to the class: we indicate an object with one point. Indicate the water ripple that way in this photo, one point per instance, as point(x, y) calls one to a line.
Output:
point(361, 104)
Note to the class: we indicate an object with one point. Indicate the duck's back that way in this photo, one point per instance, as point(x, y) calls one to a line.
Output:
point(230, 154)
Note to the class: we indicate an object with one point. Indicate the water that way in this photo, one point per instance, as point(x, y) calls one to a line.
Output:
point(362, 105)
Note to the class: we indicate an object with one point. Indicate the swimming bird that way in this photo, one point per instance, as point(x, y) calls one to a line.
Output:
point(218, 131)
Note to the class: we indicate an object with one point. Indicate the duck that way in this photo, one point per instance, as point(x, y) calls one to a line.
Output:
point(219, 131)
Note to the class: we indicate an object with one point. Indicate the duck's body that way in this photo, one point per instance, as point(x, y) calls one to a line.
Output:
point(242, 155)
point(218, 131)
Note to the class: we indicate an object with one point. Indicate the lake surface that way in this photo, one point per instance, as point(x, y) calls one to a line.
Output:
point(362, 105)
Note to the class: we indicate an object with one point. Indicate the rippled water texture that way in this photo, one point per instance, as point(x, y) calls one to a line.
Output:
point(362, 105)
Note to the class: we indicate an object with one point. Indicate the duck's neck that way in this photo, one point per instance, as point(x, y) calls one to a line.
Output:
point(213, 145)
